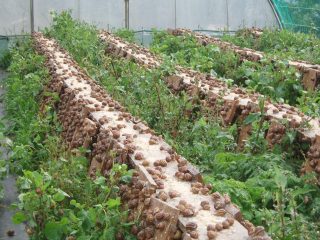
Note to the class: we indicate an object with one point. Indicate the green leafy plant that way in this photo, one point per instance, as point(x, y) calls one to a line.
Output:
point(126, 34)
point(284, 44)
point(54, 210)
point(273, 79)
point(5, 60)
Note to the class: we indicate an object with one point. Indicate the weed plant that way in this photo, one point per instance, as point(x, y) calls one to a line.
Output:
point(126, 34)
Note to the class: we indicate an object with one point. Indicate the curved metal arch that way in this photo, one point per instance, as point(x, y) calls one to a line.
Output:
point(276, 14)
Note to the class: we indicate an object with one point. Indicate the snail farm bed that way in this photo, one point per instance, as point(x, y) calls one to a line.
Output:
point(93, 165)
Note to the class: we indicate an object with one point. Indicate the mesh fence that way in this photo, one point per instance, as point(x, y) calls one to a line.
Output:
point(3, 45)
point(299, 15)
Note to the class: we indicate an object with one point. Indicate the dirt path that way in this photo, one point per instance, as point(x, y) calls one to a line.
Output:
point(10, 193)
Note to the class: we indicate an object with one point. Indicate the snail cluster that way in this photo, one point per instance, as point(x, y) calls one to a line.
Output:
point(78, 129)
point(313, 154)
point(118, 47)
point(245, 53)
point(255, 31)
point(275, 133)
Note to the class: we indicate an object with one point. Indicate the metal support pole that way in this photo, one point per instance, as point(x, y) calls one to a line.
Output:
point(31, 16)
point(227, 3)
point(142, 34)
point(78, 10)
point(175, 14)
point(126, 12)
point(276, 14)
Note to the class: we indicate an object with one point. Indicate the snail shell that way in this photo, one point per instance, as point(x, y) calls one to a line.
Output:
point(191, 226)
point(220, 213)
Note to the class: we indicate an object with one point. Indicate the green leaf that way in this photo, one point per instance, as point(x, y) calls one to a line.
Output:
point(24, 183)
point(38, 179)
point(53, 230)
point(253, 117)
point(75, 204)
point(109, 233)
point(19, 217)
point(113, 203)
point(101, 181)
point(301, 191)
point(280, 179)
point(60, 195)
point(126, 178)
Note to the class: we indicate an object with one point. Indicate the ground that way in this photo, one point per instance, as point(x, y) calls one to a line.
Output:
point(10, 194)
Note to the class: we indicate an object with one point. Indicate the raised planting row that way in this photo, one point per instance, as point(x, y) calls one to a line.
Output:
point(256, 32)
point(166, 192)
point(283, 43)
point(237, 103)
point(276, 80)
point(311, 72)
point(57, 198)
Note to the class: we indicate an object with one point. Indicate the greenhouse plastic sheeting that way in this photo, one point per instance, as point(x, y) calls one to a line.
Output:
point(149, 14)
point(104, 14)
point(14, 17)
point(42, 9)
point(257, 13)
point(224, 14)
point(143, 14)
point(202, 14)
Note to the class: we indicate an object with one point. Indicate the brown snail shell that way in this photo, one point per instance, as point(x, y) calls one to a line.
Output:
point(145, 163)
point(159, 216)
point(212, 235)
point(191, 226)
point(195, 190)
point(160, 225)
point(188, 177)
point(220, 213)
point(219, 227)
point(139, 156)
point(174, 194)
point(225, 224)
point(194, 234)
point(231, 221)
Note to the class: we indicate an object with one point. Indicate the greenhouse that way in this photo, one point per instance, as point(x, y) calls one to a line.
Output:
point(172, 119)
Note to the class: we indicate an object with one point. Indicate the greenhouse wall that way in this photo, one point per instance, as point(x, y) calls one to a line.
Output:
point(15, 15)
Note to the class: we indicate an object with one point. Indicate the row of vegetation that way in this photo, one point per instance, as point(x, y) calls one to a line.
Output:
point(58, 199)
point(274, 79)
point(264, 183)
point(284, 44)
